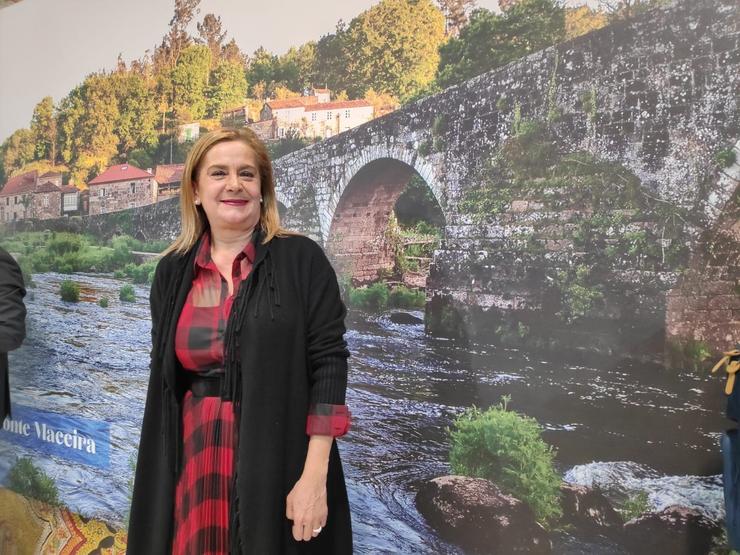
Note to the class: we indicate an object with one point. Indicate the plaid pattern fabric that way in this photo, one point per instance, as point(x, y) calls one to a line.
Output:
point(203, 493)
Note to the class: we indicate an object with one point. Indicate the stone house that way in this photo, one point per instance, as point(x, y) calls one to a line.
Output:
point(168, 178)
point(315, 115)
point(120, 187)
point(31, 196)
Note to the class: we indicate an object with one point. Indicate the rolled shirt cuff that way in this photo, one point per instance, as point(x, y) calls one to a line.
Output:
point(325, 419)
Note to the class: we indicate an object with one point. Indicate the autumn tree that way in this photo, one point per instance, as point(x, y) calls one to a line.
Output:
point(582, 20)
point(393, 47)
point(44, 130)
point(490, 41)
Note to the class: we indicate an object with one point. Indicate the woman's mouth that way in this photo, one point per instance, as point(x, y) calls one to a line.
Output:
point(235, 202)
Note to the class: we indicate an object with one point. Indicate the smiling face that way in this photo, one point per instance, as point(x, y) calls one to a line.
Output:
point(228, 187)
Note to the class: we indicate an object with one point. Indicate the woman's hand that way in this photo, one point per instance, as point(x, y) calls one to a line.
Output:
point(306, 505)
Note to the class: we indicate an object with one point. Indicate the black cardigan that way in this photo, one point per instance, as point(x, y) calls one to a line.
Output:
point(12, 322)
point(285, 350)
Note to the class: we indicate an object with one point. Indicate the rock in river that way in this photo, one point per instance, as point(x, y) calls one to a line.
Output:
point(588, 511)
point(475, 514)
point(676, 530)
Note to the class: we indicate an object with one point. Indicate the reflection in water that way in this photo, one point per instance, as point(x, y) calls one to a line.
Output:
point(624, 427)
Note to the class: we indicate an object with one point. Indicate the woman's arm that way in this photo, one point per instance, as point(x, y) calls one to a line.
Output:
point(328, 416)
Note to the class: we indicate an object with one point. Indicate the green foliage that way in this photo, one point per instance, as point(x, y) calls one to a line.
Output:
point(580, 293)
point(69, 291)
point(16, 151)
point(634, 505)
point(490, 41)
point(127, 294)
point(691, 354)
point(373, 297)
point(189, 82)
point(392, 47)
point(103, 302)
point(26, 479)
point(228, 88)
point(507, 448)
point(43, 128)
point(725, 157)
point(290, 143)
point(378, 297)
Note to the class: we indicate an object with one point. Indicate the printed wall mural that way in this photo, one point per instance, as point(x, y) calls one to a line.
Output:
point(533, 216)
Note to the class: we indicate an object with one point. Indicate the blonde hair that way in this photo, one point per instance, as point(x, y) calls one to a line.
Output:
point(193, 217)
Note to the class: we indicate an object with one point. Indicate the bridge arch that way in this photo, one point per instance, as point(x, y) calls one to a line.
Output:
point(359, 213)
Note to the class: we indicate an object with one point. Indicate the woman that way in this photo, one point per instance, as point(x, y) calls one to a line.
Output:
point(248, 375)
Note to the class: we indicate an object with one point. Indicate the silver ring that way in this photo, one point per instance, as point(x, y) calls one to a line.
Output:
point(317, 530)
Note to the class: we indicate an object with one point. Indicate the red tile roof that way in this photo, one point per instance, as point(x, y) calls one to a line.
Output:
point(50, 174)
point(287, 103)
point(120, 172)
point(22, 183)
point(338, 105)
point(168, 173)
point(47, 187)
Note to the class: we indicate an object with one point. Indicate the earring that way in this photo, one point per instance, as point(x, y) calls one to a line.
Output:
point(197, 202)
point(260, 199)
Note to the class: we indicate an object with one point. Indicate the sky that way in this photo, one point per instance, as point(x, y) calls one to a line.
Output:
point(47, 47)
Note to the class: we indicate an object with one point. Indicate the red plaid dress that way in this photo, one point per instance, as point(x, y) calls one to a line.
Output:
point(203, 491)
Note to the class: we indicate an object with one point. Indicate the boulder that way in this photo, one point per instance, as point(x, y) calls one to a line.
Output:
point(676, 530)
point(588, 511)
point(476, 515)
point(404, 318)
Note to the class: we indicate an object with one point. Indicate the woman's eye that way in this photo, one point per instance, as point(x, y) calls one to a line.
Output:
point(217, 172)
point(247, 174)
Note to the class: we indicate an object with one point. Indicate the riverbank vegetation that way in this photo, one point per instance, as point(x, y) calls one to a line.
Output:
point(28, 480)
point(67, 253)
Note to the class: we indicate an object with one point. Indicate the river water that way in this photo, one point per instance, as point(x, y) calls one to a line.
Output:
point(625, 427)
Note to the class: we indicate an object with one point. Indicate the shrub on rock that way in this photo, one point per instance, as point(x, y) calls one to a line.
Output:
point(507, 449)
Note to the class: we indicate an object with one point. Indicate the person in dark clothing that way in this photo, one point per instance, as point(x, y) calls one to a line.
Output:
point(12, 322)
point(248, 375)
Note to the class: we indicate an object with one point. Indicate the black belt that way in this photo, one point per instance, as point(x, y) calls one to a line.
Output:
point(203, 386)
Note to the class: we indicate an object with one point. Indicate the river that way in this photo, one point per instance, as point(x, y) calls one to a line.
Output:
point(627, 427)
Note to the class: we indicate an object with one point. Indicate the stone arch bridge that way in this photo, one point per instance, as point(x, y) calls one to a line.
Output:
point(658, 95)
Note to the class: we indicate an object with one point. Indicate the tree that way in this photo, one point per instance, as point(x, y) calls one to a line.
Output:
point(230, 52)
point(296, 67)
point(582, 20)
point(490, 41)
point(212, 34)
point(263, 67)
point(625, 9)
point(228, 88)
point(456, 14)
point(44, 129)
point(329, 67)
point(16, 151)
point(189, 82)
point(393, 47)
point(137, 112)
